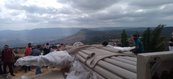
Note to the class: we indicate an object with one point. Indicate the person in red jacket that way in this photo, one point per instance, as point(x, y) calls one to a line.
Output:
point(28, 51)
point(7, 59)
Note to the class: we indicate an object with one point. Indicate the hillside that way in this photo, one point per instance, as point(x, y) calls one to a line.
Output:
point(21, 38)
point(68, 35)
point(79, 36)
point(92, 36)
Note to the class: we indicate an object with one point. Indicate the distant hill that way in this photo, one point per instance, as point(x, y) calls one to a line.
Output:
point(92, 36)
point(79, 36)
point(21, 38)
point(167, 32)
point(69, 35)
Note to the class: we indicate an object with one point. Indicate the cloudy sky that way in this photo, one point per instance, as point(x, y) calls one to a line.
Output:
point(30, 14)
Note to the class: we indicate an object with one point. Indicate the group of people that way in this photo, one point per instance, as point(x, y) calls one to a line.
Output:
point(139, 47)
point(137, 43)
point(7, 56)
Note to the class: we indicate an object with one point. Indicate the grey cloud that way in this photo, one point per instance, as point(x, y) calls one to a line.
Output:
point(168, 9)
point(95, 13)
point(93, 4)
point(30, 9)
point(5, 21)
point(149, 3)
point(149, 17)
point(89, 5)
point(13, 5)
point(37, 9)
point(114, 15)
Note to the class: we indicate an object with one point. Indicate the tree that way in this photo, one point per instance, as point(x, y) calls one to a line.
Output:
point(124, 39)
point(152, 39)
point(146, 40)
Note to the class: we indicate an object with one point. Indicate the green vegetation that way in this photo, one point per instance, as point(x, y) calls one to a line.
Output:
point(146, 40)
point(152, 39)
point(124, 39)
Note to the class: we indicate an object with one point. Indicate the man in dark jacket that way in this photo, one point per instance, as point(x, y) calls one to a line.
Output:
point(7, 59)
point(0, 63)
point(46, 49)
point(36, 52)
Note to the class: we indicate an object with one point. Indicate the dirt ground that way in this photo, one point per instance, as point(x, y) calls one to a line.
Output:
point(47, 73)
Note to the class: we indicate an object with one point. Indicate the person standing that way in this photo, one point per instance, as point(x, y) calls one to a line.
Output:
point(171, 43)
point(46, 49)
point(1, 71)
point(36, 52)
point(104, 43)
point(28, 51)
point(139, 48)
point(7, 59)
point(62, 47)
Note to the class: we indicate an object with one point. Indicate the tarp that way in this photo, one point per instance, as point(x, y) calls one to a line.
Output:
point(122, 49)
point(56, 58)
point(77, 71)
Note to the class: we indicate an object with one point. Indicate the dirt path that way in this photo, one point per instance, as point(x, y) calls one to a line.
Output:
point(47, 73)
